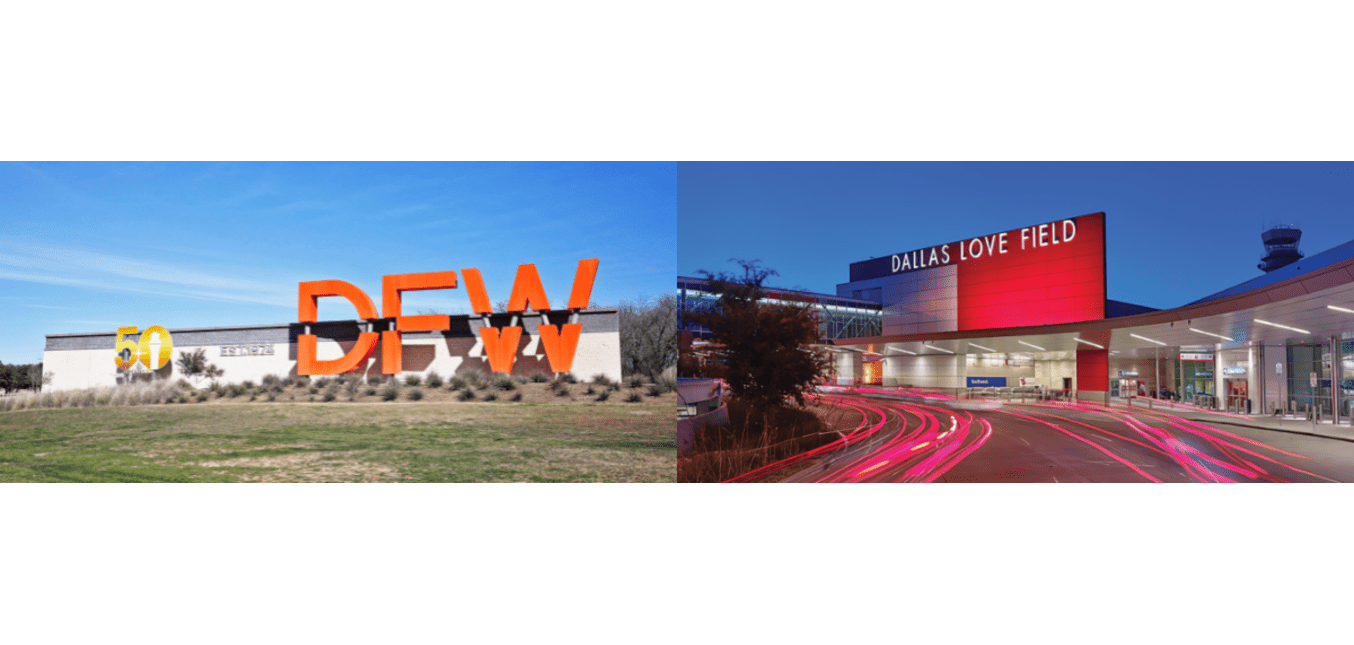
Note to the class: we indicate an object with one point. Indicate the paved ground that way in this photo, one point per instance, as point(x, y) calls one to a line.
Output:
point(959, 441)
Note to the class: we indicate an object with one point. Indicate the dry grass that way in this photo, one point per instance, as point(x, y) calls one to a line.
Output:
point(751, 441)
point(433, 440)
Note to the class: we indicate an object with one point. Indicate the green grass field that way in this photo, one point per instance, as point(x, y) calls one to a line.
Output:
point(343, 442)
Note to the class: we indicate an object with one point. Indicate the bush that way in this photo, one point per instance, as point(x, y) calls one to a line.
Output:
point(272, 396)
point(329, 395)
point(614, 387)
point(235, 390)
point(390, 392)
point(457, 383)
point(563, 391)
point(517, 396)
point(415, 394)
point(655, 390)
point(635, 382)
point(370, 391)
point(201, 397)
point(491, 396)
point(503, 382)
point(350, 388)
point(606, 394)
point(215, 387)
point(591, 390)
point(601, 379)
point(269, 380)
point(314, 389)
point(248, 385)
point(434, 380)
point(634, 397)
point(413, 380)
point(466, 395)
point(253, 396)
point(568, 377)
point(539, 377)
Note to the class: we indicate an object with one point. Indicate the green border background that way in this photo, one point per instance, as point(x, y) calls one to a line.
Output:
point(695, 563)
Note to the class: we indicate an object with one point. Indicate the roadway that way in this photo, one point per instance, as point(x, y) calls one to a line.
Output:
point(921, 439)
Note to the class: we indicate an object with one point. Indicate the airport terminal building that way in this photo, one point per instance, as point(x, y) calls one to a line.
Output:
point(1028, 307)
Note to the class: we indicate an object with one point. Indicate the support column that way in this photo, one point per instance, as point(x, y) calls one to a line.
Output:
point(1093, 372)
point(1335, 378)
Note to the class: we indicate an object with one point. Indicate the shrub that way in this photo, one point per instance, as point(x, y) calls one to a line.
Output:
point(655, 390)
point(434, 380)
point(635, 382)
point(413, 380)
point(568, 377)
point(601, 379)
point(539, 377)
point(466, 395)
point(329, 395)
point(415, 394)
point(491, 396)
point(350, 388)
point(201, 397)
point(248, 385)
point(667, 384)
point(270, 380)
point(563, 391)
point(504, 382)
point(517, 396)
point(390, 392)
point(555, 385)
point(370, 391)
point(605, 394)
point(613, 387)
point(272, 396)
point(634, 397)
point(215, 387)
point(476, 380)
point(314, 389)
point(253, 396)
point(456, 383)
point(235, 390)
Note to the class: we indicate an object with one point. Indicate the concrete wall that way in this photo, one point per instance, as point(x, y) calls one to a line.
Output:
point(944, 371)
point(86, 360)
point(1050, 374)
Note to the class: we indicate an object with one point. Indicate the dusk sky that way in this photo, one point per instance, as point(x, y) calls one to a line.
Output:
point(88, 247)
point(1175, 231)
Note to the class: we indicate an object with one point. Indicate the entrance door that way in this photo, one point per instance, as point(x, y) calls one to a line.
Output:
point(1067, 382)
point(1236, 394)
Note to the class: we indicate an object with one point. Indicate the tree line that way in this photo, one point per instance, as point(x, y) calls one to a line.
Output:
point(15, 377)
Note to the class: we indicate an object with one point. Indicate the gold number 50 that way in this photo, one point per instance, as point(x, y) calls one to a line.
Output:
point(143, 349)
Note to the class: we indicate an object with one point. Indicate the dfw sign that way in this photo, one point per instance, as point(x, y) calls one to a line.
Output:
point(500, 344)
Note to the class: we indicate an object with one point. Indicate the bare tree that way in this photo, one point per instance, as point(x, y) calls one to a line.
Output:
point(195, 366)
point(648, 334)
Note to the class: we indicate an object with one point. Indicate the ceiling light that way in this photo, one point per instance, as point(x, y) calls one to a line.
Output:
point(1089, 343)
point(1210, 333)
point(1029, 345)
point(1147, 339)
point(1348, 311)
point(981, 347)
point(905, 351)
point(938, 349)
point(1266, 322)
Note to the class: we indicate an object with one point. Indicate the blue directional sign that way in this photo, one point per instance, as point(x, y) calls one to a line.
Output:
point(986, 381)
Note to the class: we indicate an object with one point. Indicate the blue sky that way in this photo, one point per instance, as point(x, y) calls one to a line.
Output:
point(1175, 231)
point(87, 247)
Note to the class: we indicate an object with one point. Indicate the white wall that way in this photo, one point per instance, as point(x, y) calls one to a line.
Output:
point(598, 353)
